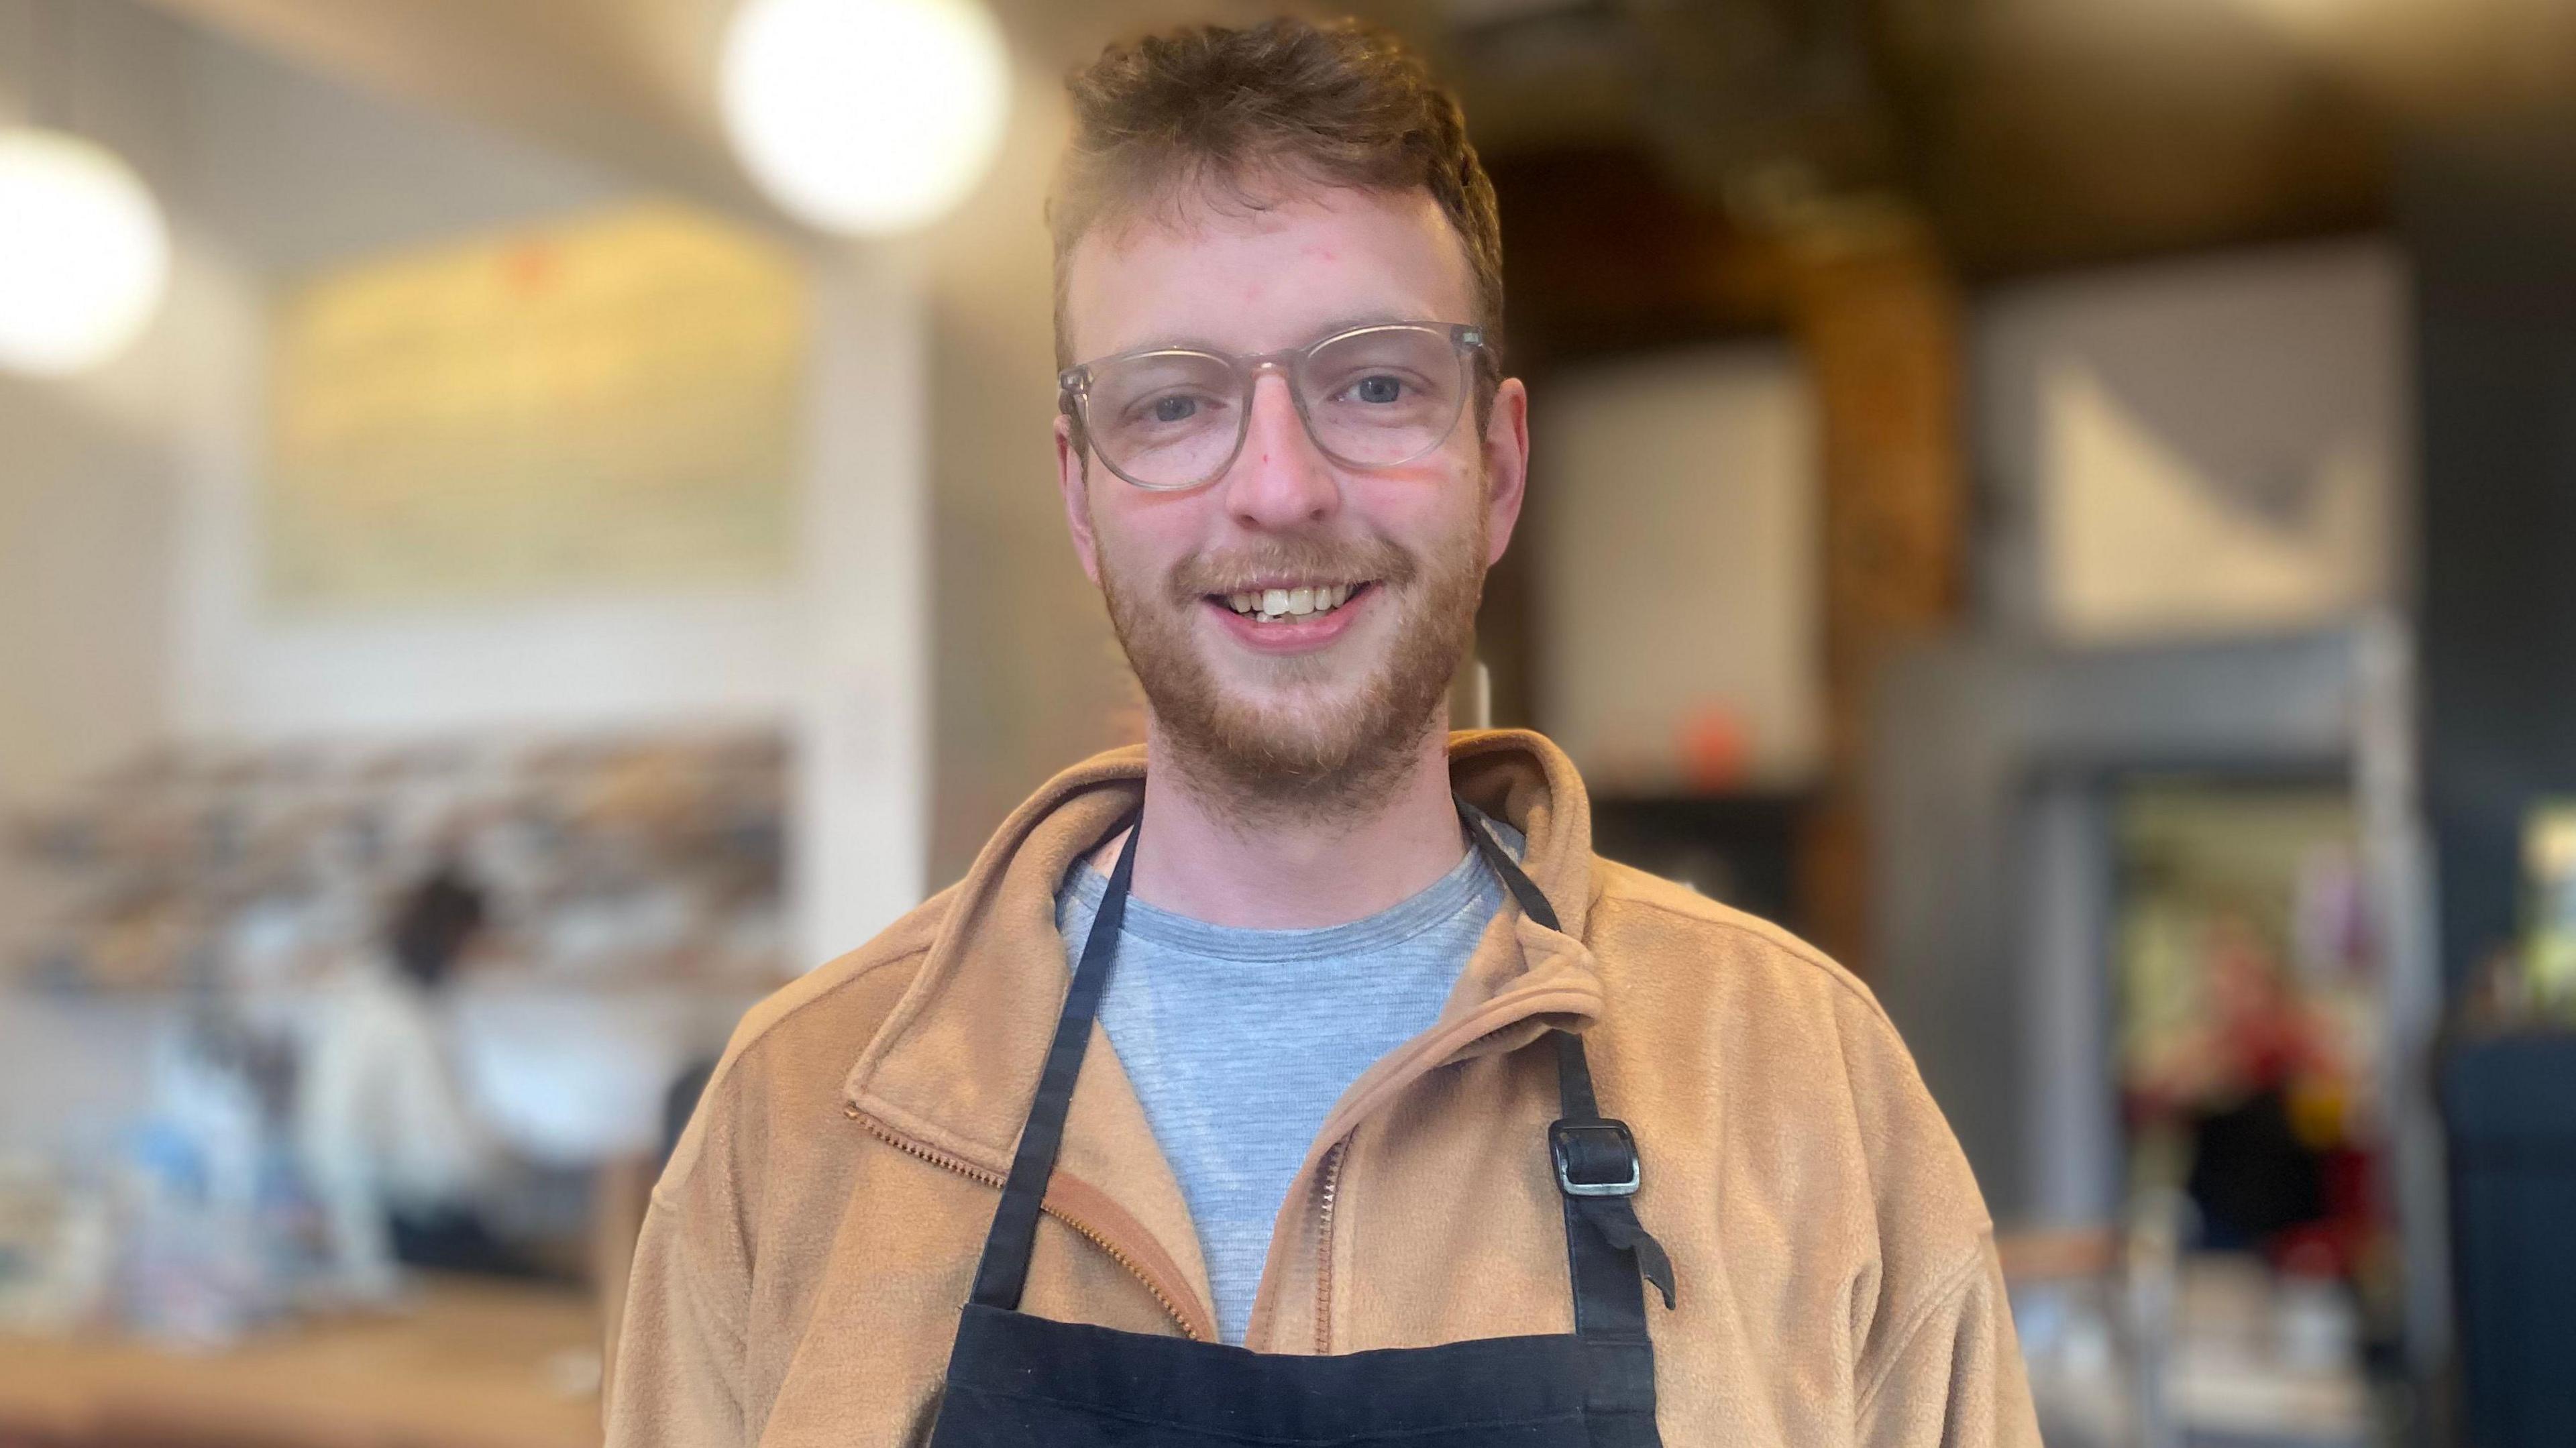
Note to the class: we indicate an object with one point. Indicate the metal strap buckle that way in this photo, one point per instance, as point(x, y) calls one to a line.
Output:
point(1628, 1172)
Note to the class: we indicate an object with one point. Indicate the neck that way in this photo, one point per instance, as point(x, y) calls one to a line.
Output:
point(1295, 872)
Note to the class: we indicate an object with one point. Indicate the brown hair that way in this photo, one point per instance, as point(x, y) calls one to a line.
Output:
point(1210, 109)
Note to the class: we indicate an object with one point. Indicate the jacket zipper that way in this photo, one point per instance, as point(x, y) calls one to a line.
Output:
point(995, 1180)
point(1328, 1184)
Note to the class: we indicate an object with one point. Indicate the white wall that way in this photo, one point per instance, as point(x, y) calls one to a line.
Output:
point(2209, 446)
point(1679, 498)
point(862, 670)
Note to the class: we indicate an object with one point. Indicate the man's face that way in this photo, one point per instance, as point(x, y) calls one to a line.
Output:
point(1307, 710)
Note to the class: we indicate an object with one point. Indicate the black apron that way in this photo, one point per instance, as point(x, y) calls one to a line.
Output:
point(1020, 1381)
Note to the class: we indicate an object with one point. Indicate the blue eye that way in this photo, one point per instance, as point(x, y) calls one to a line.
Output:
point(1380, 388)
point(1175, 408)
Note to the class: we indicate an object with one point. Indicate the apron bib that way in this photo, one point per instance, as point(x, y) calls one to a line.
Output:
point(1019, 1381)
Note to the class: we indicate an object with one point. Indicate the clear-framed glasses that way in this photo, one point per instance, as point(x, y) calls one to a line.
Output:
point(1372, 397)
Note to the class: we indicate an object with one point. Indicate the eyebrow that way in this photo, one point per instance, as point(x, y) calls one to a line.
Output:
point(1329, 329)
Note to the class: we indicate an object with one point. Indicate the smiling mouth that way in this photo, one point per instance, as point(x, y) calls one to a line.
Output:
point(1290, 603)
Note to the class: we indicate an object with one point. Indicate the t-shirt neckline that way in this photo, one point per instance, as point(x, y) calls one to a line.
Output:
point(1468, 885)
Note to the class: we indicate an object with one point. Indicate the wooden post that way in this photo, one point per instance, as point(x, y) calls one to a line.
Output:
point(1875, 313)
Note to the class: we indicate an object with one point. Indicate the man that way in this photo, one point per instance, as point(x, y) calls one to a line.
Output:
point(1369, 1003)
point(395, 1153)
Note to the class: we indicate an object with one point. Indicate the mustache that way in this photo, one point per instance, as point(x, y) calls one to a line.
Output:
point(1376, 559)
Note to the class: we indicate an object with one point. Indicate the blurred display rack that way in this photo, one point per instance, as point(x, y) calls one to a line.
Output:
point(609, 860)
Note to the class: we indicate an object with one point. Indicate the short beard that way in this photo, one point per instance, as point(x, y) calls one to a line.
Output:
point(1323, 762)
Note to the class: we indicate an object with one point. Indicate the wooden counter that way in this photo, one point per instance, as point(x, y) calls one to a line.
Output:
point(470, 1365)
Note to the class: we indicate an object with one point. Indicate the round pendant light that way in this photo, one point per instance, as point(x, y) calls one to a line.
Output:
point(84, 253)
point(864, 116)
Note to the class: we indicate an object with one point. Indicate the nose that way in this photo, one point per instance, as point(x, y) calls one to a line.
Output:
point(1279, 481)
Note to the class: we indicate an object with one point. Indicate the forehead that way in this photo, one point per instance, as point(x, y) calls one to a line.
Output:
point(1210, 271)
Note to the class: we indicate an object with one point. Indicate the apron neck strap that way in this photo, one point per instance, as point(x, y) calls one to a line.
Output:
point(1004, 1269)
point(1597, 1169)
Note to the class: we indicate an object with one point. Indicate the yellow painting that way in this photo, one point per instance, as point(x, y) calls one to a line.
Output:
point(605, 404)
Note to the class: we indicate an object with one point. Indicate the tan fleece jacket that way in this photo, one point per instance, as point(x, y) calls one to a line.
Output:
point(812, 1241)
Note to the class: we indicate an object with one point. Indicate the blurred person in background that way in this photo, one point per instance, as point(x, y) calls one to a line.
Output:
point(2259, 1086)
point(1418, 1121)
point(392, 1150)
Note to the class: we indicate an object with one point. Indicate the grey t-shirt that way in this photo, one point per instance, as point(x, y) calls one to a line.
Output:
point(1234, 1062)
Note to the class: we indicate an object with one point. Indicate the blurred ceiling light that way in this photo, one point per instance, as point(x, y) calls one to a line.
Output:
point(84, 253)
point(865, 116)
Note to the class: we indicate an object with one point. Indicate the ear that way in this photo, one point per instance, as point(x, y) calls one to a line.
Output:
point(1506, 465)
point(1073, 480)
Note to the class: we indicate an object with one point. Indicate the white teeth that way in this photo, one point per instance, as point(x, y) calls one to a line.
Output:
point(1269, 605)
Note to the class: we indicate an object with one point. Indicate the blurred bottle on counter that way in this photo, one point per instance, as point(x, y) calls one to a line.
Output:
point(204, 1198)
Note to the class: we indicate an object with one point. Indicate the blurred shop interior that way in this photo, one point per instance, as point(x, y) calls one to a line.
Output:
point(525, 525)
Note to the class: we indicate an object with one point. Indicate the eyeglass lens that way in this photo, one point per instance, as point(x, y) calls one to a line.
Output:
point(1374, 398)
